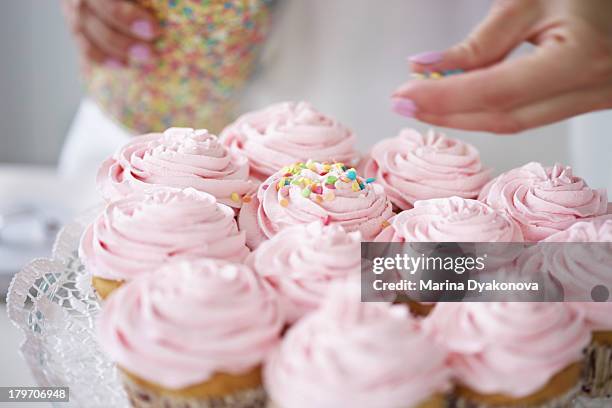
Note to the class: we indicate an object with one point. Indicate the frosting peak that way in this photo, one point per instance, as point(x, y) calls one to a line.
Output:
point(313, 191)
point(138, 234)
point(180, 158)
point(544, 200)
point(413, 167)
point(287, 132)
point(190, 320)
point(302, 261)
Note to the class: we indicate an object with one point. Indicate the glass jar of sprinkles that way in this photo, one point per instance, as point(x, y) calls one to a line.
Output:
point(205, 55)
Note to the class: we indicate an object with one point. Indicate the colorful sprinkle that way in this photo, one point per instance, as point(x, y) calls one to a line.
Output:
point(246, 199)
point(329, 196)
point(351, 174)
point(283, 202)
point(435, 75)
point(355, 186)
point(370, 180)
point(306, 192)
point(326, 220)
point(385, 224)
point(235, 197)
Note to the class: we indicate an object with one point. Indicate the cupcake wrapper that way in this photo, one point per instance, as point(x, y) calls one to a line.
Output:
point(562, 401)
point(598, 375)
point(141, 397)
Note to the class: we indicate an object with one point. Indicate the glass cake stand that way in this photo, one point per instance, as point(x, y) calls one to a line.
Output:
point(53, 303)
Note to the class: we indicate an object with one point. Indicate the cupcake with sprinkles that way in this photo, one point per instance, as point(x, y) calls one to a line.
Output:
point(136, 235)
point(303, 261)
point(288, 132)
point(413, 167)
point(180, 158)
point(332, 193)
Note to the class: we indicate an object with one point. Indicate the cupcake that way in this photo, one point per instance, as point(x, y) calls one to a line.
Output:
point(453, 219)
point(512, 354)
point(192, 334)
point(302, 261)
point(288, 132)
point(313, 191)
point(544, 200)
point(180, 158)
point(358, 355)
point(580, 268)
point(414, 167)
point(138, 234)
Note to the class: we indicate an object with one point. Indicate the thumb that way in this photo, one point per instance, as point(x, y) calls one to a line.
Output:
point(507, 25)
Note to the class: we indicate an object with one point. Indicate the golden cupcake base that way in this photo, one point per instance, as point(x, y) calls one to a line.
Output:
point(557, 393)
point(104, 287)
point(598, 373)
point(222, 390)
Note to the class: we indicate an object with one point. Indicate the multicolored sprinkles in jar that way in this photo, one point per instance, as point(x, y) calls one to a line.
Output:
point(205, 55)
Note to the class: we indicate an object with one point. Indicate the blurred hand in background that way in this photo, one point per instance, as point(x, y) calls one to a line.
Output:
point(568, 73)
point(112, 32)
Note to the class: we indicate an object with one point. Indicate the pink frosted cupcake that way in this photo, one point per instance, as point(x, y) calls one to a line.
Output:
point(288, 132)
point(136, 235)
point(180, 158)
point(192, 334)
point(302, 261)
point(452, 219)
point(544, 200)
point(414, 167)
point(512, 354)
point(307, 192)
point(358, 355)
point(580, 268)
point(455, 219)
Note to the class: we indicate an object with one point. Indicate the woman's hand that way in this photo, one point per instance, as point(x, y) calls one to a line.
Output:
point(113, 32)
point(568, 73)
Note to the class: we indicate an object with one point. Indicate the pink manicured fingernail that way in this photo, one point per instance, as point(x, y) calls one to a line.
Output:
point(426, 58)
point(140, 52)
point(404, 107)
point(113, 63)
point(143, 29)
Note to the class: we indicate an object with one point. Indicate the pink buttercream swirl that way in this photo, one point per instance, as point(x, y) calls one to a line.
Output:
point(452, 219)
point(544, 200)
point(509, 348)
point(190, 320)
point(414, 167)
point(286, 133)
point(351, 203)
point(180, 158)
point(302, 261)
point(579, 268)
point(138, 234)
point(354, 354)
